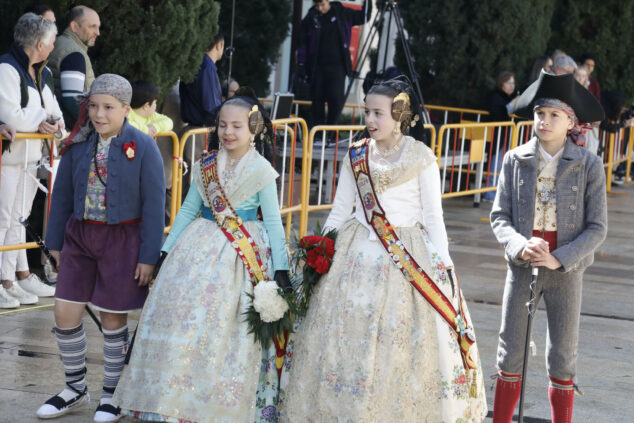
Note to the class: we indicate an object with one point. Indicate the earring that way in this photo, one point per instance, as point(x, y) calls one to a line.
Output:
point(397, 129)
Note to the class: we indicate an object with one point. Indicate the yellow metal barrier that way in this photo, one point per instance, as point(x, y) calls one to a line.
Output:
point(354, 107)
point(181, 152)
point(175, 164)
point(608, 164)
point(325, 156)
point(50, 139)
point(298, 103)
point(462, 158)
point(628, 163)
point(524, 132)
point(290, 208)
point(616, 150)
point(462, 111)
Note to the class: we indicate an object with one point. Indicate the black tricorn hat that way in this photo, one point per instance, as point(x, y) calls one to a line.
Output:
point(564, 88)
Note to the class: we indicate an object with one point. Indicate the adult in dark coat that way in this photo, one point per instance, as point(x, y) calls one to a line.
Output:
point(503, 95)
point(323, 54)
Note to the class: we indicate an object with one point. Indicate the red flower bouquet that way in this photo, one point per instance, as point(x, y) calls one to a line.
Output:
point(313, 255)
point(320, 251)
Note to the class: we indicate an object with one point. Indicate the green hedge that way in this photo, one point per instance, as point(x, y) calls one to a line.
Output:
point(459, 47)
point(260, 29)
point(155, 40)
point(603, 28)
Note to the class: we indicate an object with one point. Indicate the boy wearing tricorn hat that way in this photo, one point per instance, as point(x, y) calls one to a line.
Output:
point(550, 212)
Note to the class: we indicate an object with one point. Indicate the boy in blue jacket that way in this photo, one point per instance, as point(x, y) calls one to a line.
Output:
point(105, 231)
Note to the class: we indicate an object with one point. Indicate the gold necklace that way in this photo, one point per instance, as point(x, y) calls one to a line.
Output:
point(387, 153)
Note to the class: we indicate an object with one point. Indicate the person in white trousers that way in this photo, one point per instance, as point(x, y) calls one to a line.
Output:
point(27, 104)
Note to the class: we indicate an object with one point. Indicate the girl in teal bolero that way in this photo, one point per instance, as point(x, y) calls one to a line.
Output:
point(193, 359)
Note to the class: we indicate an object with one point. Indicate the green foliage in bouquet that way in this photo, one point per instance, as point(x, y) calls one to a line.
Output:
point(314, 255)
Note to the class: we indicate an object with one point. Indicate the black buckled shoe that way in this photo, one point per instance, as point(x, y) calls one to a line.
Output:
point(56, 406)
point(107, 413)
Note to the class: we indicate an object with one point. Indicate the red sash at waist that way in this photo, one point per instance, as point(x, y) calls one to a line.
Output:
point(96, 222)
point(550, 237)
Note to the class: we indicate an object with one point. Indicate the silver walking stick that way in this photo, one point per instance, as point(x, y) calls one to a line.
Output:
point(527, 344)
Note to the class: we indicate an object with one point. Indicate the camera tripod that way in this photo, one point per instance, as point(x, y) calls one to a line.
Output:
point(390, 13)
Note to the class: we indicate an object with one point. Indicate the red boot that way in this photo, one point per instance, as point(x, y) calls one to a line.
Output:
point(507, 392)
point(561, 394)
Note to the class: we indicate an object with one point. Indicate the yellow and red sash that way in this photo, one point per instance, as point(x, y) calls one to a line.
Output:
point(375, 215)
point(228, 219)
point(238, 236)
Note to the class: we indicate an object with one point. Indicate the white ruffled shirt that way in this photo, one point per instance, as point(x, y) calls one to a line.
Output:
point(416, 200)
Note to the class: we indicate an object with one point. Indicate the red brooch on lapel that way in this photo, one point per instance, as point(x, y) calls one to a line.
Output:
point(129, 148)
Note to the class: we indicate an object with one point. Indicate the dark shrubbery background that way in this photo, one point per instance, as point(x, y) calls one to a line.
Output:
point(459, 46)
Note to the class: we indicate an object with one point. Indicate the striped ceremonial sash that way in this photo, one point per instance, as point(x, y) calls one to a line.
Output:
point(415, 274)
point(238, 236)
point(228, 220)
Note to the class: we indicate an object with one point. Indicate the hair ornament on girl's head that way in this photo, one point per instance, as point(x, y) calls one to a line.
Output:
point(401, 108)
point(257, 125)
point(405, 105)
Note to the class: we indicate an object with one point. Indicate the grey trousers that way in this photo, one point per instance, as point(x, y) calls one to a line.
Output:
point(562, 297)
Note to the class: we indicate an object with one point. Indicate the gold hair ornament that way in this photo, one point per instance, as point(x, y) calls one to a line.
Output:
point(401, 108)
point(256, 121)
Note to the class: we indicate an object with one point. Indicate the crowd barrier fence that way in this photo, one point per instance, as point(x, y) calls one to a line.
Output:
point(356, 109)
point(462, 150)
point(449, 114)
point(51, 167)
point(525, 131)
point(454, 114)
point(616, 148)
point(182, 163)
point(628, 163)
point(329, 158)
point(175, 163)
point(289, 152)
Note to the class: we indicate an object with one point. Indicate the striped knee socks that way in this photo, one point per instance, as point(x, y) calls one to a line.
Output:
point(115, 344)
point(72, 345)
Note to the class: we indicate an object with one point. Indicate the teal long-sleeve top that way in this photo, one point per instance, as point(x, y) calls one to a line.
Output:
point(266, 198)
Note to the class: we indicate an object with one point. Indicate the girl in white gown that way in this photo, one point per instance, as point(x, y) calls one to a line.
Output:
point(372, 348)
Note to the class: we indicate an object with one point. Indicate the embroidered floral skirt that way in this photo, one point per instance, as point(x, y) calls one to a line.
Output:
point(372, 349)
point(193, 359)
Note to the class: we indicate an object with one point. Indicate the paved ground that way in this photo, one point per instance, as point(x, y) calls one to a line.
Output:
point(31, 370)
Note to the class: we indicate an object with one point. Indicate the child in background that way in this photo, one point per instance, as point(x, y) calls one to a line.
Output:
point(143, 115)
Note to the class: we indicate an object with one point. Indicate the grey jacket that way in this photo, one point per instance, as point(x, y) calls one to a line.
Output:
point(581, 204)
